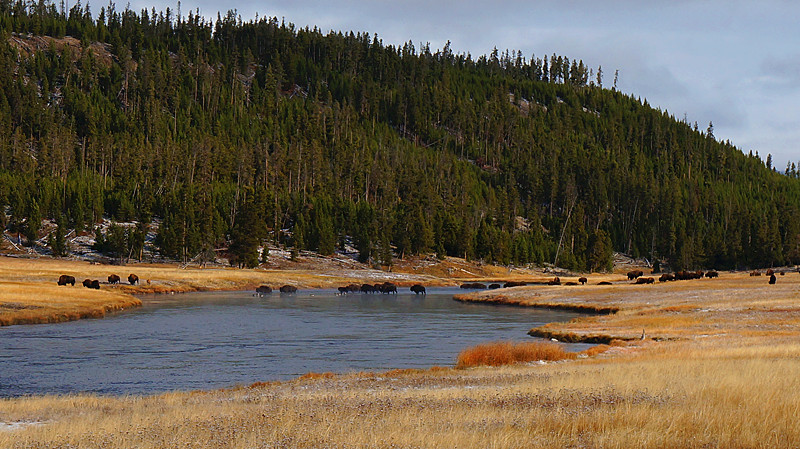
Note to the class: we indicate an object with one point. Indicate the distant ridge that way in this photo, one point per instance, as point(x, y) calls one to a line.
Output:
point(232, 133)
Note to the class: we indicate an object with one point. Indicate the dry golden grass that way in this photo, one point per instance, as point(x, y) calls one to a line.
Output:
point(719, 367)
point(508, 353)
point(36, 303)
point(673, 395)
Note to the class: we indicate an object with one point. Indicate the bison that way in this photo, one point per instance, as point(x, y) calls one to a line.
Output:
point(113, 279)
point(474, 286)
point(65, 279)
point(583, 280)
point(712, 274)
point(643, 280)
point(387, 288)
point(770, 272)
point(554, 281)
point(88, 283)
point(494, 286)
point(133, 279)
point(634, 274)
point(666, 277)
point(772, 279)
point(264, 290)
point(604, 283)
point(418, 289)
point(514, 284)
point(367, 288)
point(288, 289)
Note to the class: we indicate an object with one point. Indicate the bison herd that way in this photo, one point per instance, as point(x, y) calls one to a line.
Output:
point(65, 279)
point(385, 288)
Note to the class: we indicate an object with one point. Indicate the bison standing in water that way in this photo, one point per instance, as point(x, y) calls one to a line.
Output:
point(133, 279)
point(65, 279)
point(113, 279)
point(387, 288)
point(368, 288)
point(288, 289)
point(418, 289)
point(264, 290)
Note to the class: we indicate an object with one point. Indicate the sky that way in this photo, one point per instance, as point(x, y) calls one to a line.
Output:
point(734, 63)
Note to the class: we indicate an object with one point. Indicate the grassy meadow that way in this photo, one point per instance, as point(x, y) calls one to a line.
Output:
point(719, 366)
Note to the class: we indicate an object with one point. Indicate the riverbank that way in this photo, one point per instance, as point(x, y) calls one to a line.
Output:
point(651, 395)
point(29, 293)
point(719, 366)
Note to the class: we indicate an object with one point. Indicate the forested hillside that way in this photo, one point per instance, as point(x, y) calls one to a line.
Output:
point(235, 132)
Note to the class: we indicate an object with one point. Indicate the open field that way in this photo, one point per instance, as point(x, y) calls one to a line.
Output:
point(719, 367)
point(734, 306)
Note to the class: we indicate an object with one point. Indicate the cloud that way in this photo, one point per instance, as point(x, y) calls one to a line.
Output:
point(781, 73)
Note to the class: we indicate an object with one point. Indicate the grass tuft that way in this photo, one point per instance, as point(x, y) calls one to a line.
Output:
point(509, 353)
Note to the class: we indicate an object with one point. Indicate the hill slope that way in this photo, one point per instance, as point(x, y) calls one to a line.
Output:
point(236, 132)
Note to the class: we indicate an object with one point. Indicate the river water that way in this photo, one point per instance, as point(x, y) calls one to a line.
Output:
point(222, 339)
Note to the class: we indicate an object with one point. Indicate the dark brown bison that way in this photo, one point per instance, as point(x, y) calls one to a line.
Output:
point(570, 283)
point(643, 280)
point(494, 286)
point(264, 290)
point(514, 284)
point(770, 272)
point(88, 283)
point(387, 288)
point(634, 274)
point(113, 279)
point(474, 286)
point(133, 279)
point(604, 283)
point(755, 273)
point(288, 289)
point(342, 290)
point(666, 277)
point(418, 289)
point(583, 280)
point(782, 273)
point(712, 274)
point(65, 279)
point(554, 281)
point(367, 288)
point(772, 278)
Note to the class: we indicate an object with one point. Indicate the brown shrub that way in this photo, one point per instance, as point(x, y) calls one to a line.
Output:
point(508, 353)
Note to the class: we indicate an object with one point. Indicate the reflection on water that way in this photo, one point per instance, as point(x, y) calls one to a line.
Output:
point(221, 339)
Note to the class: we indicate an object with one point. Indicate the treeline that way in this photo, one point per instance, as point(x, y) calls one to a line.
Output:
point(233, 132)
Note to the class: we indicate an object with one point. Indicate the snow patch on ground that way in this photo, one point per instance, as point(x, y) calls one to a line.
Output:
point(18, 425)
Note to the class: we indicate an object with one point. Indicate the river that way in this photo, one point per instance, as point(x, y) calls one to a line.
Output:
point(222, 339)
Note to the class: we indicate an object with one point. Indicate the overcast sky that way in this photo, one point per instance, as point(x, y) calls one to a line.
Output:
point(730, 62)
